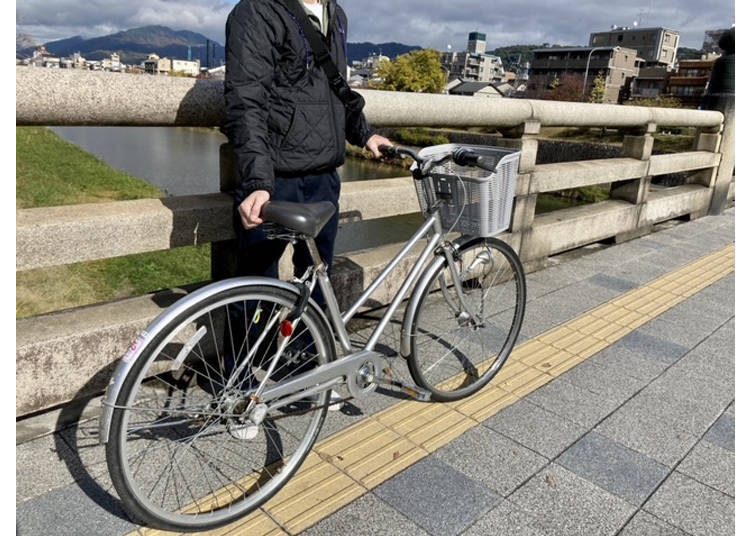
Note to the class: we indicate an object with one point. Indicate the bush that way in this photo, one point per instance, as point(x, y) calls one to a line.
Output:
point(656, 102)
point(418, 136)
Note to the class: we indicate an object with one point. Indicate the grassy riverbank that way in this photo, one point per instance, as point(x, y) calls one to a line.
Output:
point(50, 172)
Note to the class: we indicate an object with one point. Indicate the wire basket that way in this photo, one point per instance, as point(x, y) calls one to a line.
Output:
point(476, 202)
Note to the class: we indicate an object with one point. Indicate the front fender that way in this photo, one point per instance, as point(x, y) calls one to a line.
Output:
point(160, 323)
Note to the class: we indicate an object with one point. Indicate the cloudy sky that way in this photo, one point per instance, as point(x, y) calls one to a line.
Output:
point(427, 23)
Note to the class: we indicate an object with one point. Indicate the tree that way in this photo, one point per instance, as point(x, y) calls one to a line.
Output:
point(570, 88)
point(659, 102)
point(419, 71)
point(599, 91)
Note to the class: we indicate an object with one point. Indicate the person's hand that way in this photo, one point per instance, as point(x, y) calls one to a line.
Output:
point(375, 141)
point(249, 209)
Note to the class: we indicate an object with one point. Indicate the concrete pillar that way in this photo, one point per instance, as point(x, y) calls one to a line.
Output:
point(525, 203)
point(224, 254)
point(723, 174)
point(637, 144)
point(707, 139)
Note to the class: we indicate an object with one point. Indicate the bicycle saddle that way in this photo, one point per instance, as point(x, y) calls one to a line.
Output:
point(306, 218)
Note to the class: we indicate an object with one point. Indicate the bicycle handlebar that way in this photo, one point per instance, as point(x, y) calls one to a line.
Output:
point(461, 156)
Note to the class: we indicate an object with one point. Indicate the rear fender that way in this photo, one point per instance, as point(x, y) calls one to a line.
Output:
point(161, 322)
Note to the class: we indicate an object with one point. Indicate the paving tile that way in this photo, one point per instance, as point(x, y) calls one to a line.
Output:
point(710, 465)
point(693, 507)
point(655, 425)
point(71, 511)
point(42, 465)
point(645, 524)
point(563, 503)
point(722, 433)
point(613, 467)
point(599, 379)
point(620, 361)
point(437, 497)
point(613, 283)
point(367, 516)
point(699, 312)
point(536, 428)
point(572, 402)
point(506, 518)
point(491, 459)
point(653, 347)
point(682, 333)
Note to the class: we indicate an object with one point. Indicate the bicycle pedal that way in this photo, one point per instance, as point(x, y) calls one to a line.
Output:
point(417, 393)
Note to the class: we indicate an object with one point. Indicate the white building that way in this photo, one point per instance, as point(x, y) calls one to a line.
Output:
point(474, 64)
point(190, 67)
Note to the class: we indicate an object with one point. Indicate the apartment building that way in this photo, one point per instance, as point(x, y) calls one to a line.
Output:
point(618, 65)
point(655, 46)
point(690, 81)
point(474, 64)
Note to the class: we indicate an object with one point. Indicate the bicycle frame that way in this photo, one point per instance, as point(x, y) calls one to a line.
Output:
point(344, 370)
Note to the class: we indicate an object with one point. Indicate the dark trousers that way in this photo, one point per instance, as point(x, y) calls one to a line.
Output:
point(259, 256)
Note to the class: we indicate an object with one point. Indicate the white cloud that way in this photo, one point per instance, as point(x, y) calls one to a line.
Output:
point(429, 23)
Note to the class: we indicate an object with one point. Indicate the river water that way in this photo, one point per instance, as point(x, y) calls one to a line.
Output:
point(185, 161)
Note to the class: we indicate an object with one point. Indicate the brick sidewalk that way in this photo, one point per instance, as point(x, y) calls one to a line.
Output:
point(635, 439)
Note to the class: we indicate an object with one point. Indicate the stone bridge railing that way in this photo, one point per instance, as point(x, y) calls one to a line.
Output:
point(70, 354)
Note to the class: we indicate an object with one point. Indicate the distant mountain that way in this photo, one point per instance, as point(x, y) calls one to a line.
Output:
point(686, 53)
point(136, 44)
point(23, 42)
point(360, 51)
point(512, 53)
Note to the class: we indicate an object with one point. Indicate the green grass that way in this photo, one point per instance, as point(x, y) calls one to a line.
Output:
point(50, 172)
point(681, 141)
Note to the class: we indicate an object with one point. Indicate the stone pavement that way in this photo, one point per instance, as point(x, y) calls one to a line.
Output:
point(633, 435)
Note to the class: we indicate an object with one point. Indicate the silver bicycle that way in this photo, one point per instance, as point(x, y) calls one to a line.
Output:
point(216, 405)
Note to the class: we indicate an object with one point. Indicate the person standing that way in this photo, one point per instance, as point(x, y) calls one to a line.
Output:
point(288, 129)
point(287, 126)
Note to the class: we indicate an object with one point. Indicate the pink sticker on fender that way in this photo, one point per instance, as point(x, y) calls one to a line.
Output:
point(134, 348)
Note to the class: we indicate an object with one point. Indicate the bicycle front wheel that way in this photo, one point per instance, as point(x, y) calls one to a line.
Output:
point(457, 347)
point(183, 451)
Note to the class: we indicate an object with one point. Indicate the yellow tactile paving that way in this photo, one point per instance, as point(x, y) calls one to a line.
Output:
point(344, 467)
point(429, 425)
point(485, 403)
point(377, 455)
point(318, 490)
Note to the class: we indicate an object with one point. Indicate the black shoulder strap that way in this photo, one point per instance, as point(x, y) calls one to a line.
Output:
point(320, 51)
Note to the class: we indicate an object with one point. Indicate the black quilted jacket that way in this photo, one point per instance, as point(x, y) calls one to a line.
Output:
point(281, 115)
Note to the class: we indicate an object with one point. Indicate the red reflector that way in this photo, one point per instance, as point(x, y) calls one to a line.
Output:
point(287, 329)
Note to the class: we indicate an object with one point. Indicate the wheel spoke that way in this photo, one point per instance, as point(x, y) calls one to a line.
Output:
point(182, 447)
point(492, 283)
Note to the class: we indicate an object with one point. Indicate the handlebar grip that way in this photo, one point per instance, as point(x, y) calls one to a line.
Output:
point(388, 151)
point(466, 157)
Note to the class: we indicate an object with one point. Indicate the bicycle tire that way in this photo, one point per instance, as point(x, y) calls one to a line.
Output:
point(192, 402)
point(476, 350)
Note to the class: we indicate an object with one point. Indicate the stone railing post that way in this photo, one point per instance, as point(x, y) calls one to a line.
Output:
point(725, 171)
point(224, 254)
point(638, 144)
point(524, 208)
point(707, 139)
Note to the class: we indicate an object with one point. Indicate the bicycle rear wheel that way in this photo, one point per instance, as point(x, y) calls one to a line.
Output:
point(182, 452)
point(452, 353)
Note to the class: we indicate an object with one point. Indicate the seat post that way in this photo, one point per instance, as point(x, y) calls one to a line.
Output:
point(334, 313)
